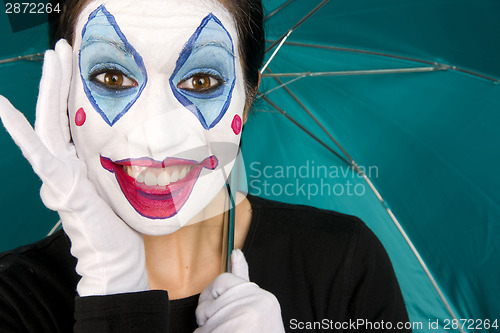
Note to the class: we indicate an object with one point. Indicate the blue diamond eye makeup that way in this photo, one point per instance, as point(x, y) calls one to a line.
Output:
point(203, 79)
point(112, 71)
point(156, 101)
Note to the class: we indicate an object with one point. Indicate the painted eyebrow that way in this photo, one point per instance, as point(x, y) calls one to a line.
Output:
point(213, 43)
point(120, 46)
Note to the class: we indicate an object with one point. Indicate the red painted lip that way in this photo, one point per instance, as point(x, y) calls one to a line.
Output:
point(157, 202)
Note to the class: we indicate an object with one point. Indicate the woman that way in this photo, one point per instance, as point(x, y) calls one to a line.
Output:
point(138, 125)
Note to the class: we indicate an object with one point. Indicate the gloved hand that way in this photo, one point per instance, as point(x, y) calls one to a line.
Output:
point(110, 254)
point(233, 304)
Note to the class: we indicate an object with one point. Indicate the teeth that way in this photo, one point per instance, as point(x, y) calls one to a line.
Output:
point(157, 176)
point(140, 178)
point(183, 172)
point(150, 179)
point(136, 170)
point(163, 178)
point(129, 171)
point(174, 176)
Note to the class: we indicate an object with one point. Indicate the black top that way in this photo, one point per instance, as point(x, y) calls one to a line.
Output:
point(327, 270)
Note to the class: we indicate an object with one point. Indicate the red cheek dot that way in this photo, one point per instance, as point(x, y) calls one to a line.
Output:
point(236, 125)
point(80, 117)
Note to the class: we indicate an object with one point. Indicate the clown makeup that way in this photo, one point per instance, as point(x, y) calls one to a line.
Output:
point(156, 107)
point(203, 79)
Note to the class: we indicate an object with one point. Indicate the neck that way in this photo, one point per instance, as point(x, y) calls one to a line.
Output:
point(188, 260)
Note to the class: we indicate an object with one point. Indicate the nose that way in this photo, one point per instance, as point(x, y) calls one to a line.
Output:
point(161, 126)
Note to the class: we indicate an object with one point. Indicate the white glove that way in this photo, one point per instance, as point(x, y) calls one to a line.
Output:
point(110, 254)
point(233, 304)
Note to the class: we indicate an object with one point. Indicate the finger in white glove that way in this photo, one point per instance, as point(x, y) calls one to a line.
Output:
point(233, 304)
point(53, 127)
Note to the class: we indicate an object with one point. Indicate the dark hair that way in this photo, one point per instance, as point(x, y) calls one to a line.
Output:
point(248, 16)
point(249, 19)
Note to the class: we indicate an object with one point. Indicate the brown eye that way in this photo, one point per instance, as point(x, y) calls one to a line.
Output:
point(200, 83)
point(115, 80)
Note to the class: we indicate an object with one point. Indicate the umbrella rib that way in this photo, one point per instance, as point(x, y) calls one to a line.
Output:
point(305, 18)
point(298, 76)
point(388, 55)
point(316, 120)
point(296, 123)
point(486, 77)
point(276, 51)
point(346, 49)
point(281, 85)
point(356, 167)
point(54, 228)
point(276, 11)
point(28, 57)
point(412, 247)
point(362, 72)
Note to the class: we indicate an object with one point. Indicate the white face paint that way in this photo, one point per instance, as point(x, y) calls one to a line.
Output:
point(155, 106)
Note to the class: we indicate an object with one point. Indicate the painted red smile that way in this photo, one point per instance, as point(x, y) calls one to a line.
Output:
point(157, 190)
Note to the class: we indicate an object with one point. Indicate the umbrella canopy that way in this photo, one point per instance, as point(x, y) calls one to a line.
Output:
point(411, 150)
point(24, 219)
point(408, 91)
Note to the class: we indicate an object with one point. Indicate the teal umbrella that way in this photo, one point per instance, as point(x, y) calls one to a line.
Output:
point(24, 219)
point(388, 110)
point(382, 109)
